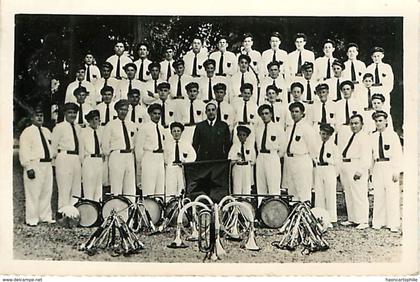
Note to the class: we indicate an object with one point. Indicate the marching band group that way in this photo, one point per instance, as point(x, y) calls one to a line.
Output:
point(285, 120)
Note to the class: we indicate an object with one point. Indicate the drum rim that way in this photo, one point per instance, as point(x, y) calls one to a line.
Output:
point(117, 197)
point(158, 204)
point(264, 204)
point(96, 206)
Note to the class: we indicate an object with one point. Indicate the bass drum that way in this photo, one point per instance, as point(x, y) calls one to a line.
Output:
point(120, 204)
point(172, 211)
point(273, 212)
point(90, 212)
point(154, 209)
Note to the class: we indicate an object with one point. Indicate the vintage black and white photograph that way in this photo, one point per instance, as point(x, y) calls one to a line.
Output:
point(209, 139)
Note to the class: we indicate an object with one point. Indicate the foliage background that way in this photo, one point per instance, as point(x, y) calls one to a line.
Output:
point(49, 46)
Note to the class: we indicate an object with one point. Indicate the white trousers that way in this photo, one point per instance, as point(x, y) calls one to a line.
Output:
point(268, 174)
point(105, 172)
point(152, 173)
point(242, 179)
point(325, 190)
point(92, 169)
point(174, 180)
point(357, 201)
point(299, 175)
point(386, 204)
point(38, 192)
point(69, 179)
point(122, 173)
point(188, 134)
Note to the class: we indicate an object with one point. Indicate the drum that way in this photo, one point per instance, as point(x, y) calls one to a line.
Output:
point(118, 203)
point(171, 211)
point(249, 205)
point(154, 208)
point(90, 212)
point(273, 212)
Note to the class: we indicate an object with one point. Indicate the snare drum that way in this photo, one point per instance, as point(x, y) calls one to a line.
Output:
point(154, 208)
point(90, 212)
point(118, 203)
point(273, 212)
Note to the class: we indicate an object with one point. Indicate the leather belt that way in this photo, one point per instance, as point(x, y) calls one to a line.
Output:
point(96, 155)
point(69, 152)
point(346, 160)
point(126, 151)
point(244, 123)
point(322, 164)
point(45, 160)
point(265, 151)
point(242, 163)
point(158, 151)
point(382, 160)
point(190, 124)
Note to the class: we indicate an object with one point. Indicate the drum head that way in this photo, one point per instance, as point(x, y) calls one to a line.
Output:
point(154, 209)
point(89, 213)
point(119, 204)
point(274, 213)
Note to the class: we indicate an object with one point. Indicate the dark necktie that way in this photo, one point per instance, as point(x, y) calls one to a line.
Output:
point(107, 114)
point(274, 56)
point(80, 121)
point(264, 139)
point(88, 73)
point(95, 136)
point(324, 114)
point(242, 151)
point(169, 72)
point(273, 116)
point(192, 112)
point(194, 70)
point(105, 82)
point(141, 69)
point(291, 139)
point(210, 93)
point(299, 64)
point(321, 153)
point(381, 146)
point(133, 113)
point(177, 159)
point(80, 84)
point(328, 69)
point(353, 72)
point(126, 138)
point(130, 85)
point(118, 71)
point(308, 92)
point(155, 86)
point(369, 99)
point(221, 64)
point(242, 79)
point(219, 111)
point(274, 82)
point(338, 90)
point(245, 113)
point(347, 112)
point(160, 148)
point(178, 88)
point(162, 114)
point(44, 144)
point(348, 146)
point(76, 141)
point(377, 81)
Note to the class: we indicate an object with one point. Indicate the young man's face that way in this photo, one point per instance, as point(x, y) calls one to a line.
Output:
point(323, 95)
point(176, 133)
point(352, 53)
point(368, 82)
point(246, 94)
point(119, 49)
point(163, 93)
point(192, 93)
point(210, 70)
point(196, 45)
point(70, 115)
point(337, 70)
point(134, 99)
point(248, 42)
point(307, 73)
point(95, 122)
point(106, 72)
point(169, 54)
point(274, 42)
point(266, 115)
point(154, 72)
point(211, 112)
point(80, 75)
point(155, 115)
point(300, 43)
point(324, 136)
point(296, 93)
point(243, 65)
point(122, 112)
point(131, 72)
point(81, 97)
point(381, 123)
point(377, 104)
point(328, 49)
point(143, 52)
point(37, 119)
point(377, 57)
point(274, 71)
point(271, 95)
point(222, 45)
point(347, 91)
point(180, 69)
point(219, 95)
point(88, 59)
point(242, 136)
point(296, 114)
point(107, 97)
point(356, 125)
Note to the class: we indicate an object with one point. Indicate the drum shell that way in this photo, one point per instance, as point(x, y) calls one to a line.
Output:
point(273, 212)
point(154, 209)
point(120, 203)
point(90, 212)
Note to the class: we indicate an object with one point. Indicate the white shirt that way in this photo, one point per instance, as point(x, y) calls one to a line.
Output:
point(230, 64)
point(359, 68)
point(87, 141)
point(331, 154)
point(86, 108)
point(320, 68)
point(251, 110)
point(255, 59)
point(123, 87)
point(114, 62)
point(149, 95)
point(293, 58)
point(146, 74)
point(227, 112)
point(332, 86)
point(30, 145)
point(164, 65)
point(312, 82)
point(140, 115)
point(170, 112)
point(354, 108)
point(280, 111)
point(63, 139)
point(330, 108)
point(189, 59)
point(275, 140)
point(391, 147)
point(198, 108)
point(304, 140)
point(235, 82)
point(147, 139)
point(279, 82)
point(113, 137)
point(267, 57)
point(203, 83)
point(359, 149)
point(100, 83)
point(186, 151)
point(94, 71)
point(173, 81)
point(386, 75)
point(235, 152)
point(102, 112)
point(90, 99)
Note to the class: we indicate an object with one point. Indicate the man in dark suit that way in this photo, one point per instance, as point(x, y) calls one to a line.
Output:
point(211, 138)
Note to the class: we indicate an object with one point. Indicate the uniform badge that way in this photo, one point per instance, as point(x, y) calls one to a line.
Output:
point(297, 138)
point(147, 72)
point(198, 112)
point(115, 117)
point(171, 113)
point(328, 155)
point(277, 119)
point(386, 147)
point(163, 137)
point(229, 64)
point(200, 67)
point(354, 112)
point(273, 138)
point(360, 73)
point(251, 116)
point(49, 142)
point(254, 63)
point(331, 115)
point(94, 76)
point(140, 120)
point(131, 133)
point(247, 152)
point(185, 155)
point(384, 74)
point(225, 116)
